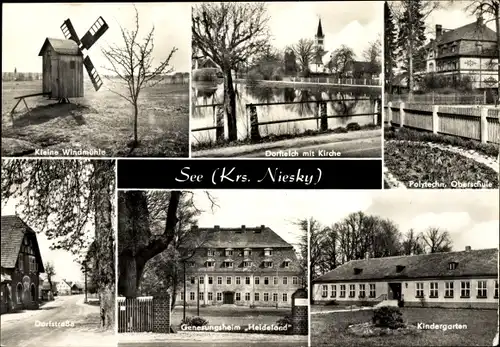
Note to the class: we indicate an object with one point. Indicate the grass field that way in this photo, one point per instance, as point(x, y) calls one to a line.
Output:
point(233, 315)
point(330, 329)
point(101, 120)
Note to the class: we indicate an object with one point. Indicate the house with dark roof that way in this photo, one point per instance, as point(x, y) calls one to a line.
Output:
point(242, 266)
point(453, 279)
point(470, 50)
point(21, 265)
point(76, 288)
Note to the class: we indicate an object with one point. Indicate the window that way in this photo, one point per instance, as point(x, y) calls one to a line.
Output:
point(247, 280)
point(191, 296)
point(182, 296)
point(268, 264)
point(448, 290)
point(201, 296)
point(229, 252)
point(257, 297)
point(285, 297)
point(362, 291)
point(352, 290)
point(238, 280)
point(219, 296)
point(333, 290)
point(433, 290)
point(257, 280)
point(19, 293)
point(420, 290)
point(72, 65)
point(210, 253)
point(372, 290)
point(295, 280)
point(324, 291)
point(247, 252)
point(285, 280)
point(228, 264)
point(266, 296)
point(481, 289)
point(247, 296)
point(465, 289)
point(193, 280)
point(275, 280)
point(210, 280)
point(496, 289)
point(275, 297)
point(228, 280)
point(219, 280)
point(238, 296)
point(247, 263)
point(210, 296)
point(266, 280)
point(268, 252)
point(191, 264)
point(286, 264)
point(202, 280)
point(452, 265)
point(342, 290)
point(210, 263)
point(20, 262)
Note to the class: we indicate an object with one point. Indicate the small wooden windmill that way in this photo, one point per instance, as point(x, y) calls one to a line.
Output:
point(63, 61)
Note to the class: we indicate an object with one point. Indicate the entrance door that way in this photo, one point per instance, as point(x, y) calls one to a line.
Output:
point(394, 291)
point(228, 298)
point(54, 87)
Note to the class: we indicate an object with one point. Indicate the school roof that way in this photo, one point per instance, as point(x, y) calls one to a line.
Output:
point(241, 237)
point(13, 231)
point(472, 263)
point(64, 47)
point(472, 31)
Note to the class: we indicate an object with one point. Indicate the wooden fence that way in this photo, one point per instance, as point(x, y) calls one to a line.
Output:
point(477, 123)
point(336, 81)
point(438, 99)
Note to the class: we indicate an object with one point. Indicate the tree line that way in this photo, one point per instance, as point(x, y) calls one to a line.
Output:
point(360, 235)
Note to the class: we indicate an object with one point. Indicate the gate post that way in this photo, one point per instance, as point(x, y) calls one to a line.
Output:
point(219, 132)
point(323, 117)
point(300, 312)
point(254, 123)
point(161, 313)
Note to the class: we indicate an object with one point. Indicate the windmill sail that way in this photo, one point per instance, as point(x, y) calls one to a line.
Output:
point(94, 76)
point(69, 32)
point(95, 31)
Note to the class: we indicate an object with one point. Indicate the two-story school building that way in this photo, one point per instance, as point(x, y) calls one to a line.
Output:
point(242, 266)
point(467, 279)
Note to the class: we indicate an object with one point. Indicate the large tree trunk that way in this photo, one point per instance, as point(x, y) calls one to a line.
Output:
point(104, 173)
point(230, 105)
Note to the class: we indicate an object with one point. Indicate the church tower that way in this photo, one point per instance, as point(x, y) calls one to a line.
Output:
point(320, 37)
point(319, 48)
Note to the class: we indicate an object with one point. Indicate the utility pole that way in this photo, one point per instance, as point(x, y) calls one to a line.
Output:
point(85, 272)
point(184, 308)
point(198, 308)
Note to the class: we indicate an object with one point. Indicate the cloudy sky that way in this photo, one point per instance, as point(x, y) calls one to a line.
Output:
point(63, 261)
point(25, 27)
point(354, 24)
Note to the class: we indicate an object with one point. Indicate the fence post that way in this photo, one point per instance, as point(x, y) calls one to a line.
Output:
point(219, 132)
point(435, 119)
point(338, 80)
point(389, 113)
point(378, 111)
point(364, 81)
point(254, 123)
point(401, 114)
point(484, 124)
point(323, 116)
point(300, 312)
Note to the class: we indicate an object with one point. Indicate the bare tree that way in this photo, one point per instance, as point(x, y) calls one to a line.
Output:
point(436, 240)
point(373, 55)
point(230, 34)
point(132, 62)
point(50, 272)
point(341, 60)
point(305, 52)
point(412, 244)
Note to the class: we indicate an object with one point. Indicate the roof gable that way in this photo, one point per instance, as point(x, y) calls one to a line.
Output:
point(64, 47)
point(483, 262)
point(472, 31)
point(257, 237)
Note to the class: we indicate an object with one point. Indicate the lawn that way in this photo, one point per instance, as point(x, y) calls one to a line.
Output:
point(419, 163)
point(330, 329)
point(101, 121)
point(232, 315)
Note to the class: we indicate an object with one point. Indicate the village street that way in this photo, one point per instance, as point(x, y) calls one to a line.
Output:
point(24, 328)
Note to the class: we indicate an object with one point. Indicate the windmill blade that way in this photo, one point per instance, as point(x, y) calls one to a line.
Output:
point(69, 32)
point(95, 31)
point(94, 76)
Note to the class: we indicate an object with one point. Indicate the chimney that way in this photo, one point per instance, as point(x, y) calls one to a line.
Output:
point(216, 227)
point(439, 31)
point(262, 227)
point(480, 21)
point(467, 248)
point(243, 228)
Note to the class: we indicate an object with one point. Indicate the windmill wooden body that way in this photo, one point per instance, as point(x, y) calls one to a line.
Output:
point(64, 60)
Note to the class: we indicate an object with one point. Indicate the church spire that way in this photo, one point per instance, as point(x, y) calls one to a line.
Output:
point(320, 30)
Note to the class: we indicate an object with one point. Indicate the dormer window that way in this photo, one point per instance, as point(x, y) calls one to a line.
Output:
point(268, 252)
point(247, 252)
point(228, 263)
point(268, 264)
point(286, 264)
point(210, 263)
point(452, 265)
point(247, 263)
point(210, 252)
point(191, 263)
point(357, 270)
point(229, 252)
point(400, 268)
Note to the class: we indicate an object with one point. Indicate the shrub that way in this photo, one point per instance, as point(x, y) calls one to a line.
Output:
point(287, 320)
point(206, 75)
point(388, 317)
point(253, 78)
point(331, 303)
point(195, 321)
point(353, 127)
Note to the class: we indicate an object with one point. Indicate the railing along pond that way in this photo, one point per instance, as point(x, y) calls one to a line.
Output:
point(251, 111)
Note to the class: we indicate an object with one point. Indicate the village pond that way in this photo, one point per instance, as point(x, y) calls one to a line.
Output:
point(279, 104)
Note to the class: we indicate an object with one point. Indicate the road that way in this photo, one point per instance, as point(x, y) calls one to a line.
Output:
point(356, 144)
point(24, 329)
point(214, 344)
